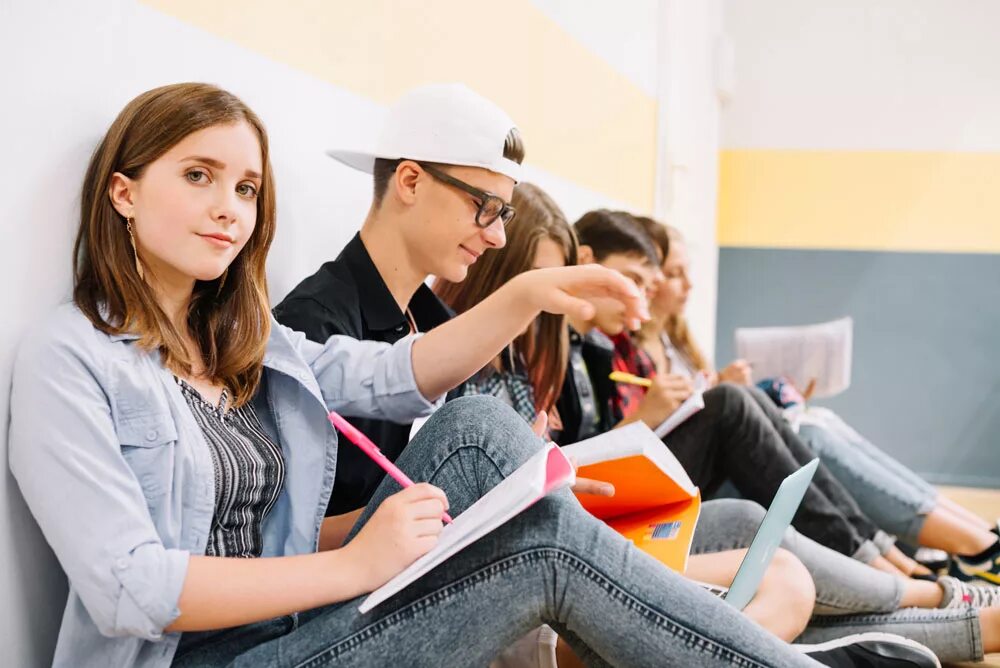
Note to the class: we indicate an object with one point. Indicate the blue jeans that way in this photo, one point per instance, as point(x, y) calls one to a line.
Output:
point(893, 496)
point(552, 564)
point(851, 597)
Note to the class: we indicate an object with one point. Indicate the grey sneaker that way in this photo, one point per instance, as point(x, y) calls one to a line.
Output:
point(958, 594)
point(871, 650)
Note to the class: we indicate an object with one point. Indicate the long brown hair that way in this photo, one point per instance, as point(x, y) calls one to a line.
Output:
point(545, 346)
point(676, 326)
point(228, 317)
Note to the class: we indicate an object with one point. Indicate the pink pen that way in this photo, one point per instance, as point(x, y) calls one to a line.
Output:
point(357, 438)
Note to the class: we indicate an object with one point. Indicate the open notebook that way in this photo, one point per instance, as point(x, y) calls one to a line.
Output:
point(545, 472)
point(691, 405)
point(655, 505)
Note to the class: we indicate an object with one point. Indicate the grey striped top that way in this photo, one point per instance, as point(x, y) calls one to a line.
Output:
point(249, 473)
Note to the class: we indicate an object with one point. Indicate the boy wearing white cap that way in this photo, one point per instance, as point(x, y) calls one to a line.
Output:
point(444, 171)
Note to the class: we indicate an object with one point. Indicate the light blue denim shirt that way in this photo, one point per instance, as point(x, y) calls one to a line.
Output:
point(120, 479)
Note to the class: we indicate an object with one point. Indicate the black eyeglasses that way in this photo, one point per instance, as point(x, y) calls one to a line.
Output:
point(491, 206)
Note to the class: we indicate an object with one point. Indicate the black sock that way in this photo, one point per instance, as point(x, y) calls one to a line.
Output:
point(989, 553)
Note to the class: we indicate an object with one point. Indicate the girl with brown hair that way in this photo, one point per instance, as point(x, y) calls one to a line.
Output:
point(535, 362)
point(893, 496)
point(172, 442)
point(542, 236)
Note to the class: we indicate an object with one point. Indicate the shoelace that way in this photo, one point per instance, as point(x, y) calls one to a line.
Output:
point(973, 596)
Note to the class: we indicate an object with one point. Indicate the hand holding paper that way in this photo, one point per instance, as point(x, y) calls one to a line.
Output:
point(666, 394)
point(739, 372)
point(582, 485)
point(694, 403)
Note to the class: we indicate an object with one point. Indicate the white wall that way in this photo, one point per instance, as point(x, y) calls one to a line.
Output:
point(691, 35)
point(627, 37)
point(865, 74)
point(68, 69)
point(670, 49)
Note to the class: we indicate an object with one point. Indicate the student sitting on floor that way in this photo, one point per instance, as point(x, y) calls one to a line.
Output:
point(896, 498)
point(733, 437)
point(447, 157)
point(845, 588)
point(139, 410)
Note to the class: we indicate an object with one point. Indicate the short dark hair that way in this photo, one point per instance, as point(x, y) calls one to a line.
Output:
point(513, 149)
point(658, 233)
point(612, 232)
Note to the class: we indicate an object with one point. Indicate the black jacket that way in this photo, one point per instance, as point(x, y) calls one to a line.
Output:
point(587, 381)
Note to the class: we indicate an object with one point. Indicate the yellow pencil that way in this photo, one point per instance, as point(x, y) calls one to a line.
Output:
point(622, 377)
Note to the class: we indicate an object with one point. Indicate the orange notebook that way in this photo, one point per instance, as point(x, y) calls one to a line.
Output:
point(655, 503)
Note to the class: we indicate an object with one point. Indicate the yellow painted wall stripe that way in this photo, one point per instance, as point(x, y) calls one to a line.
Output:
point(581, 119)
point(860, 200)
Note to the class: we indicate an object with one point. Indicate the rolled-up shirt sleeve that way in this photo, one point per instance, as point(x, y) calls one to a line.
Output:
point(67, 460)
point(368, 379)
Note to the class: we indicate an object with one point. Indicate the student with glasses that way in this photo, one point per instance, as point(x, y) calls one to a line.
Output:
point(850, 598)
point(171, 441)
point(444, 172)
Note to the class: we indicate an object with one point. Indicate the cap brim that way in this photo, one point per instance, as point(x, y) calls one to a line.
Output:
point(364, 162)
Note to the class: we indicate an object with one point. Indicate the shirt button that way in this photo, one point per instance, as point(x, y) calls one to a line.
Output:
point(151, 435)
point(121, 564)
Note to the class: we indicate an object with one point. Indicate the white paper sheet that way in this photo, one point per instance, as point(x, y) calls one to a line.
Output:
point(691, 405)
point(820, 352)
point(546, 471)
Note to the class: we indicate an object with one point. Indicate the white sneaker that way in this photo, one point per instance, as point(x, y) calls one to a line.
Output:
point(958, 594)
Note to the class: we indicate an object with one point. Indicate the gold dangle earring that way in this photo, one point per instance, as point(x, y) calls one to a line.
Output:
point(135, 251)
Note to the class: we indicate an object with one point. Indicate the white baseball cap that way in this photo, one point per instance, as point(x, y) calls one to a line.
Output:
point(445, 123)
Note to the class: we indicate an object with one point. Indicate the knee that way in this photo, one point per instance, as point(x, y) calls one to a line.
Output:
point(817, 439)
point(729, 400)
point(476, 404)
point(484, 422)
point(760, 398)
point(790, 575)
point(480, 413)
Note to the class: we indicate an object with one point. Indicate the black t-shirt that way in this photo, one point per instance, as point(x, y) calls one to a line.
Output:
point(348, 296)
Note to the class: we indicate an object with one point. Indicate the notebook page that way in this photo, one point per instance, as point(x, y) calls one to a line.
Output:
point(517, 492)
point(691, 405)
point(611, 457)
point(613, 444)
